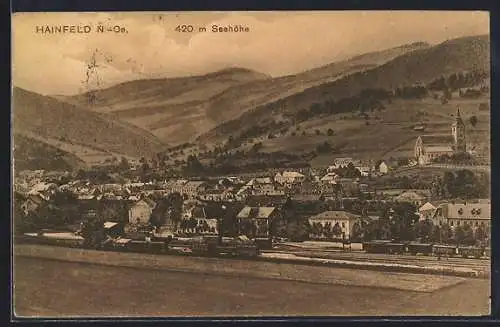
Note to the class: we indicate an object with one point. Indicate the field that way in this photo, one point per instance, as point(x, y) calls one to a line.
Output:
point(89, 155)
point(389, 133)
point(47, 288)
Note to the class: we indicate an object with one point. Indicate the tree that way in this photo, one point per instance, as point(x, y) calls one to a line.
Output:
point(193, 164)
point(436, 235)
point(446, 233)
point(297, 231)
point(124, 164)
point(459, 235)
point(337, 230)
point(424, 229)
point(473, 121)
point(357, 232)
point(468, 235)
point(447, 95)
point(480, 235)
point(330, 132)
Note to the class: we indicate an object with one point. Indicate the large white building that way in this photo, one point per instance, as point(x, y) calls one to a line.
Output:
point(459, 214)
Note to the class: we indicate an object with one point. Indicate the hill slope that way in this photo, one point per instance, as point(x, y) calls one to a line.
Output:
point(177, 110)
point(51, 118)
point(31, 154)
point(420, 66)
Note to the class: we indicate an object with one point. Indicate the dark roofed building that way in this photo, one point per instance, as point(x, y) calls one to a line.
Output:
point(256, 222)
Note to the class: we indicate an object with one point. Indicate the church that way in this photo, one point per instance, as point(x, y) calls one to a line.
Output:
point(430, 147)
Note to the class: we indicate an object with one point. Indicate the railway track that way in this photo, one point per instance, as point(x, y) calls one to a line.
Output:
point(479, 264)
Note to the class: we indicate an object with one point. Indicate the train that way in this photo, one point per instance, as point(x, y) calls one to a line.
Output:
point(412, 248)
point(239, 246)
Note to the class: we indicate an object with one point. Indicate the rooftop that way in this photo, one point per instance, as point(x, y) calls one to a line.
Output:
point(437, 139)
point(335, 215)
point(465, 210)
point(256, 212)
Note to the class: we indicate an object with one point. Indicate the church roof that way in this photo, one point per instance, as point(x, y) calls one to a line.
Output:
point(437, 139)
point(438, 148)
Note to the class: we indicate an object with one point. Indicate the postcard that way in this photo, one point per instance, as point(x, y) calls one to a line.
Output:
point(249, 164)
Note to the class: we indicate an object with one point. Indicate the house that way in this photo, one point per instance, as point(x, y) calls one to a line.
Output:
point(364, 170)
point(213, 195)
point(333, 224)
point(243, 193)
point(289, 178)
point(429, 147)
point(44, 190)
point(383, 168)
point(411, 197)
point(460, 214)
point(309, 188)
point(205, 225)
point(140, 212)
point(256, 221)
point(32, 203)
point(330, 177)
point(113, 229)
point(263, 186)
point(175, 186)
point(426, 211)
point(192, 188)
point(342, 162)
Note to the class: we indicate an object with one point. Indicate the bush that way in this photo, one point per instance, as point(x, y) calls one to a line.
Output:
point(473, 121)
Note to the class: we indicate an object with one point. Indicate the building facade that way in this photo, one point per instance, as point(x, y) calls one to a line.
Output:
point(140, 212)
point(429, 147)
point(333, 224)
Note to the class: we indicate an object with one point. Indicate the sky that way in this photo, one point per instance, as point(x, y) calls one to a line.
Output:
point(278, 43)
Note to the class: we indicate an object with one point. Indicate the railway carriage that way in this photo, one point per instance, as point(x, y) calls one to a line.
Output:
point(444, 250)
point(470, 251)
point(396, 248)
point(418, 248)
point(378, 246)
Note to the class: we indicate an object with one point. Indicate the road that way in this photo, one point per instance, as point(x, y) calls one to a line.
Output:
point(49, 288)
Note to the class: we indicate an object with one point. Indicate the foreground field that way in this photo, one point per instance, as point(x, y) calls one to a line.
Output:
point(272, 268)
point(47, 288)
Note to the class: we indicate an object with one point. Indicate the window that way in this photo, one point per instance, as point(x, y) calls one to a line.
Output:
point(451, 223)
point(343, 225)
point(477, 223)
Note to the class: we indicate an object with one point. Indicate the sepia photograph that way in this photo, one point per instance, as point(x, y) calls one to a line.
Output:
point(250, 164)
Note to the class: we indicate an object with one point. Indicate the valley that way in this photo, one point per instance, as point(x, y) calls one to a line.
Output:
point(142, 118)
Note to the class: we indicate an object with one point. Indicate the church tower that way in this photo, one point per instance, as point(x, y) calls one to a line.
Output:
point(458, 132)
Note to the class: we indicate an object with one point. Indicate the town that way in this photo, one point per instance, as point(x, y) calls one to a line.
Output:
point(348, 201)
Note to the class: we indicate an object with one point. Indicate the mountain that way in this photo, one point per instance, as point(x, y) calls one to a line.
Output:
point(177, 110)
point(418, 66)
point(49, 119)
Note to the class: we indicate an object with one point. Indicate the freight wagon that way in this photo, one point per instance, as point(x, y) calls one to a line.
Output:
point(389, 247)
